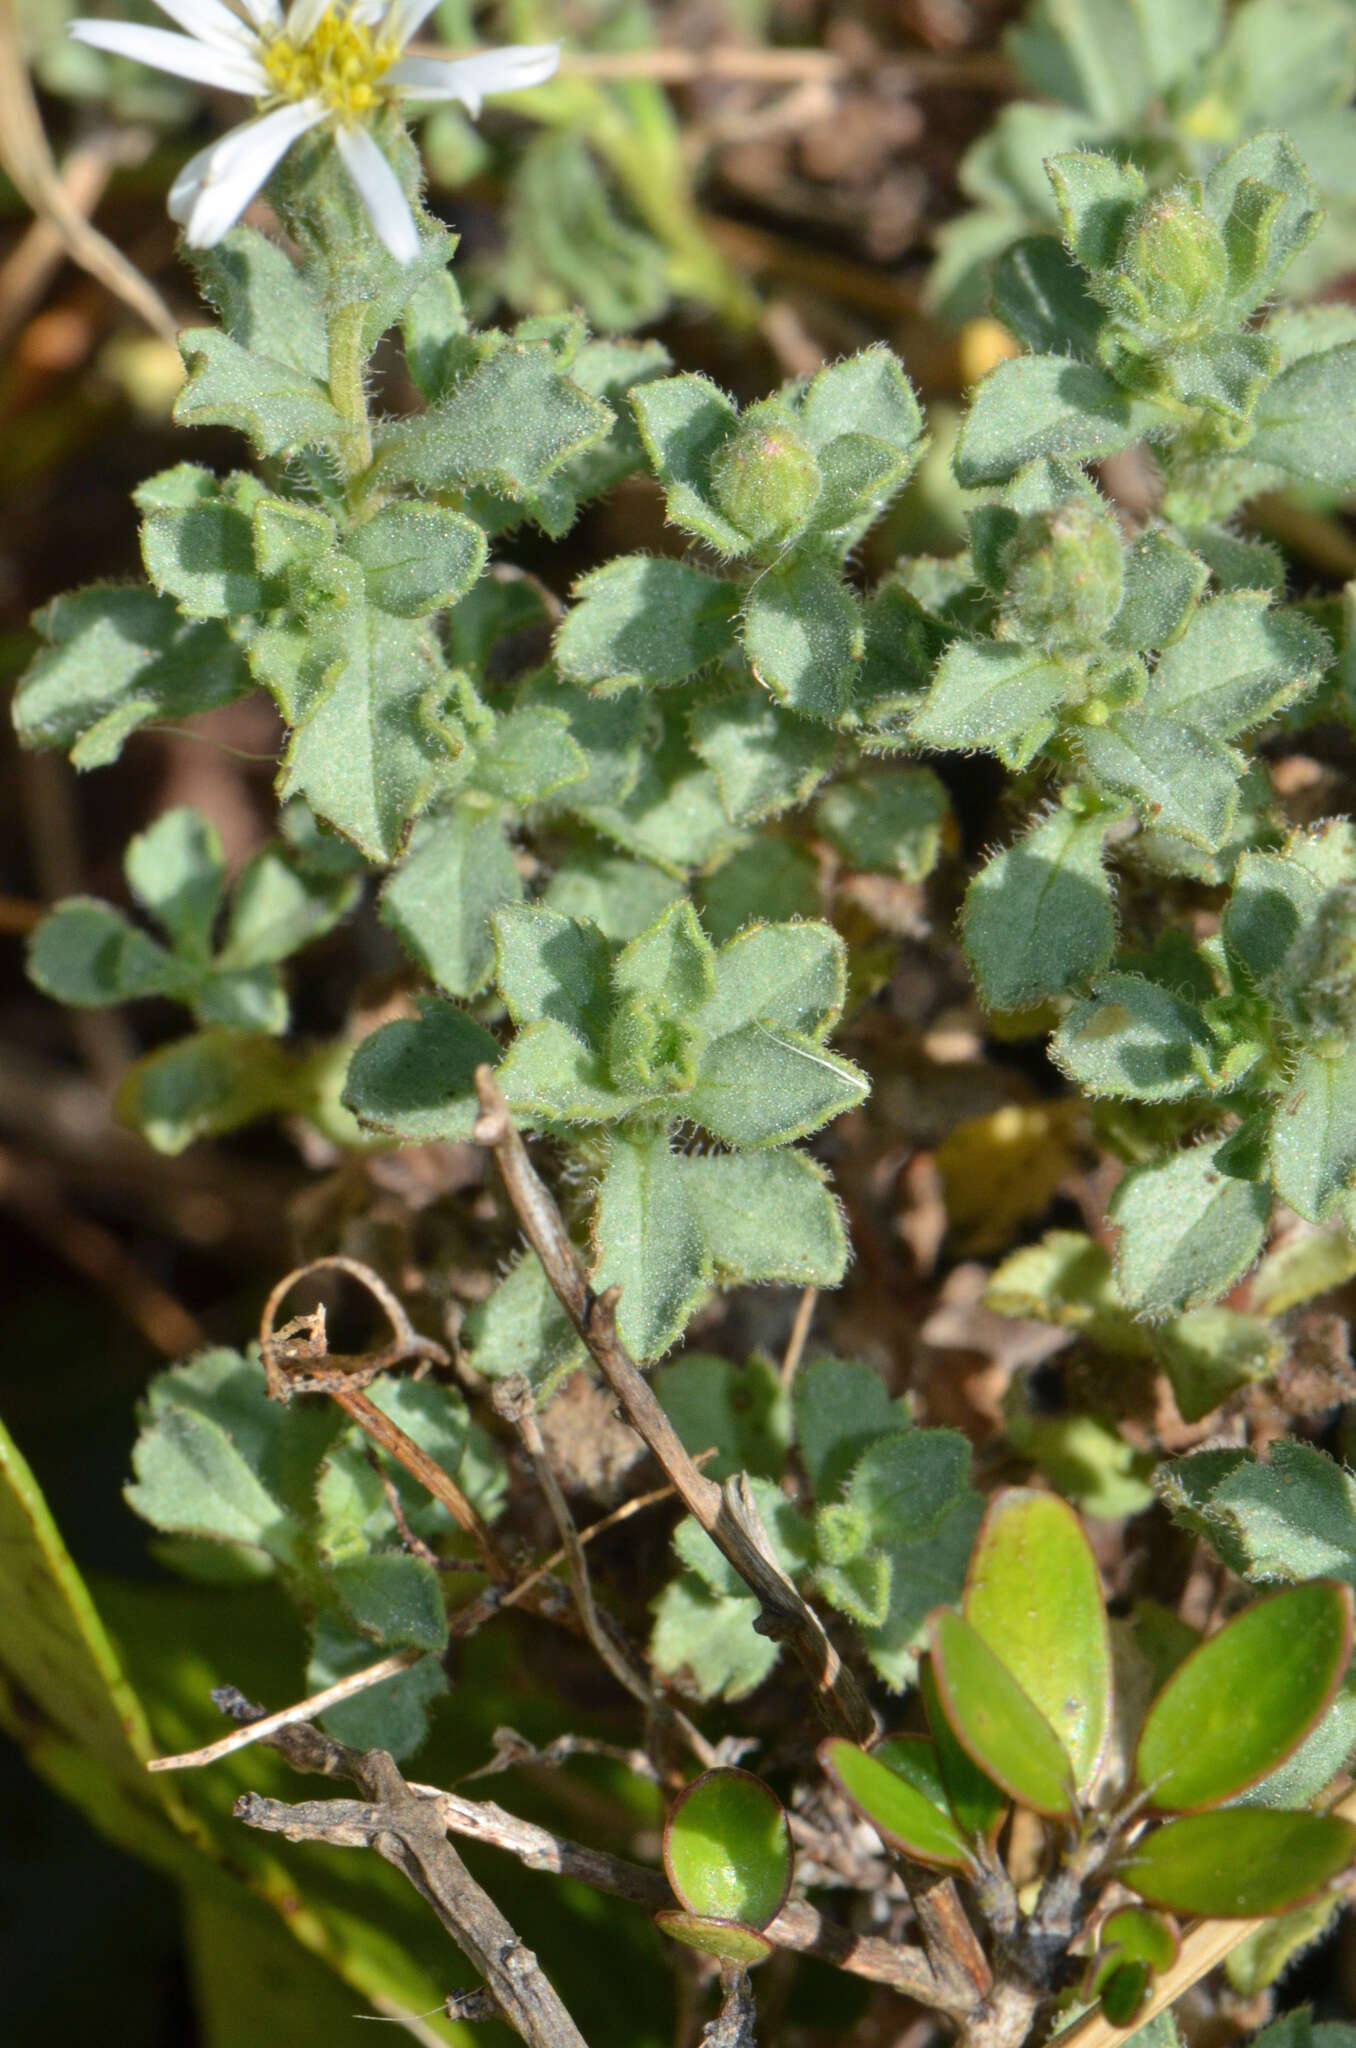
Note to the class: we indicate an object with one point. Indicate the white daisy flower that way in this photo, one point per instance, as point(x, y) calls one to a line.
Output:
point(313, 63)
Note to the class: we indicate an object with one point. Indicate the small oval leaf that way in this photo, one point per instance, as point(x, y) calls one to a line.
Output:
point(1242, 1702)
point(995, 1720)
point(727, 1940)
point(1141, 1937)
point(727, 1849)
point(977, 1804)
point(1241, 1864)
point(1033, 1591)
point(901, 1815)
point(1124, 1991)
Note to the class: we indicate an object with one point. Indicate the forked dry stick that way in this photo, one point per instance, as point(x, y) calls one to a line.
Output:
point(729, 1515)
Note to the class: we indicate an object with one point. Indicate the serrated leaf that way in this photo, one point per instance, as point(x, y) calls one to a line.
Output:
point(415, 1078)
point(841, 1408)
point(891, 822)
point(986, 695)
point(764, 759)
point(393, 1715)
point(506, 427)
point(1038, 917)
point(1313, 1134)
point(440, 900)
point(771, 1216)
point(548, 1073)
point(85, 953)
point(280, 408)
point(265, 302)
point(553, 967)
point(1180, 778)
point(203, 557)
point(1305, 420)
point(1033, 406)
point(766, 1085)
point(1290, 1517)
point(740, 1410)
point(1033, 1592)
point(1241, 1864)
point(682, 422)
point(208, 1443)
point(802, 632)
point(1163, 583)
point(1187, 1231)
point(995, 1720)
point(768, 882)
point(1238, 662)
point(1246, 1698)
point(396, 1599)
point(1133, 1038)
point(645, 620)
point(648, 1242)
point(1041, 294)
point(708, 1641)
point(117, 659)
point(522, 1327)
point(372, 742)
point(417, 558)
point(789, 976)
point(1096, 196)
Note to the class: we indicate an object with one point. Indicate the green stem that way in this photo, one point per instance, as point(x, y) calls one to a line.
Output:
point(348, 360)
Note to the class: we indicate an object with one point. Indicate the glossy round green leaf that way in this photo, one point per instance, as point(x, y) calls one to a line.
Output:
point(902, 1815)
point(995, 1720)
point(1034, 1593)
point(1141, 1936)
point(1239, 1705)
point(1123, 1992)
point(977, 1804)
point(727, 1940)
point(727, 1849)
point(1241, 1864)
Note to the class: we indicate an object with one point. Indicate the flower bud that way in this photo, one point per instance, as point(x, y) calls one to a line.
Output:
point(765, 477)
point(1173, 258)
point(1065, 574)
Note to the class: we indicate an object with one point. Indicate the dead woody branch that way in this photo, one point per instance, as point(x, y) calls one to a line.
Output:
point(358, 1823)
point(728, 1515)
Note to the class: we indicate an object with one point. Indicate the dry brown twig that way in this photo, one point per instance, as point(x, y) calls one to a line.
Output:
point(729, 1515)
point(27, 159)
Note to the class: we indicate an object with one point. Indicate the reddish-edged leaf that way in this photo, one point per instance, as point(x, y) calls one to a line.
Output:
point(998, 1723)
point(901, 1814)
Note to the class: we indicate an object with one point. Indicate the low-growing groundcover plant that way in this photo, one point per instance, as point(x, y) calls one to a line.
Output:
point(603, 837)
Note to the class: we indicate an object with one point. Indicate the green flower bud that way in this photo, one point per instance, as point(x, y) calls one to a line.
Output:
point(765, 477)
point(1175, 264)
point(1065, 573)
point(650, 1053)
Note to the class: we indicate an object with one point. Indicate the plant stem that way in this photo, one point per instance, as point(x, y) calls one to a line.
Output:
point(348, 360)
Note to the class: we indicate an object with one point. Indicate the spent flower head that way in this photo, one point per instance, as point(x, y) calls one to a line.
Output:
point(330, 63)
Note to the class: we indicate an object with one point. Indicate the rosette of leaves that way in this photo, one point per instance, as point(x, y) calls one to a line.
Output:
point(782, 493)
point(1018, 1693)
point(1167, 90)
point(1251, 1035)
point(1140, 324)
point(619, 1050)
point(1100, 660)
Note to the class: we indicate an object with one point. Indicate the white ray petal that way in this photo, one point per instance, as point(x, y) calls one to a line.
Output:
point(264, 13)
point(468, 78)
point(163, 51)
point(406, 18)
point(210, 21)
point(379, 189)
point(215, 187)
point(303, 18)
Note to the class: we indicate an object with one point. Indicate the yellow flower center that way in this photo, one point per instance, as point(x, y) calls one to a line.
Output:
point(340, 62)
